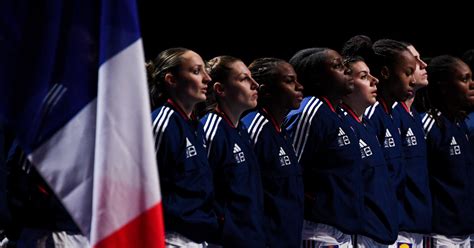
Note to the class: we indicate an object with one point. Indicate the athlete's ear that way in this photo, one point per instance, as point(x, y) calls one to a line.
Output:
point(385, 72)
point(218, 89)
point(170, 80)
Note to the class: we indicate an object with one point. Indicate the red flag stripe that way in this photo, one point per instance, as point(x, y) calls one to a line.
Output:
point(133, 233)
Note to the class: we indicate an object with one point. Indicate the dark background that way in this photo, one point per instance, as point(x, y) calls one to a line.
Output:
point(249, 32)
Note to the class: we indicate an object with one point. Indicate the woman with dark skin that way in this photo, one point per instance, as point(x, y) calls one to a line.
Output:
point(418, 205)
point(450, 156)
point(327, 149)
point(279, 92)
point(468, 58)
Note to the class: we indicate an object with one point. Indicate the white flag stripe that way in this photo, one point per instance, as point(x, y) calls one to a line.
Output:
point(70, 174)
point(125, 162)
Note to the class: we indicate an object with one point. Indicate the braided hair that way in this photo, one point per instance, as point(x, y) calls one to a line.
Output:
point(265, 72)
point(440, 70)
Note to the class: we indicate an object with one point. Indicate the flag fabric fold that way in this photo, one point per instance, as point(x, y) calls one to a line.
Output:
point(74, 87)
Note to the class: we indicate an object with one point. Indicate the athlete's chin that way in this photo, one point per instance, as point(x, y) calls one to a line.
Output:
point(296, 104)
point(252, 104)
point(372, 101)
point(470, 100)
point(201, 98)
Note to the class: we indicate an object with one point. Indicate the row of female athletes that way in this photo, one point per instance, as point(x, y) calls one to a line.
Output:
point(329, 149)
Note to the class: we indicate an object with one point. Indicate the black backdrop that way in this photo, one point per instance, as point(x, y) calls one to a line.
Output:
point(249, 32)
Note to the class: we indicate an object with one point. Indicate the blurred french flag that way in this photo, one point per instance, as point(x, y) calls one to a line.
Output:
point(73, 86)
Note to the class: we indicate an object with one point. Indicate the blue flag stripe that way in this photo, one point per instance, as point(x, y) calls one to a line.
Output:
point(119, 27)
point(58, 44)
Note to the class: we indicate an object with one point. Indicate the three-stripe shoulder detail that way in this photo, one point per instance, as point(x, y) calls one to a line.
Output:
point(256, 127)
point(210, 128)
point(304, 124)
point(160, 124)
point(369, 112)
point(428, 121)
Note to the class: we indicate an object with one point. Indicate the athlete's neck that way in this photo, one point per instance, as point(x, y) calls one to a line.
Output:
point(357, 107)
point(275, 110)
point(232, 113)
point(409, 102)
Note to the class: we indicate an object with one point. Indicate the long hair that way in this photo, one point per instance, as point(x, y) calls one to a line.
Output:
point(440, 70)
point(167, 61)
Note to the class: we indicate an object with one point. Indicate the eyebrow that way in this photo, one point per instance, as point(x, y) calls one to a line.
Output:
point(244, 74)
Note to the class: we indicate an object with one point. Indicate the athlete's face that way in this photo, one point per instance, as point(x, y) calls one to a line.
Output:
point(460, 88)
point(401, 78)
point(286, 91)
point(191, 79)
point(335, 72)
point(421, 75)
point(240, 90)
point(365, 85)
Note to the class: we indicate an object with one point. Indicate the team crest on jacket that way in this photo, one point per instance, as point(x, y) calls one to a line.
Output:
point(238, 154)
point(411, 138)
point(190, 149)
point(454, 148)
point(389, 141)
point(342, 138)
point(404, 245)
point(284, 159)
point(365, 150)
